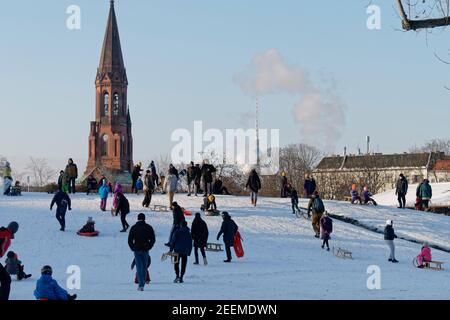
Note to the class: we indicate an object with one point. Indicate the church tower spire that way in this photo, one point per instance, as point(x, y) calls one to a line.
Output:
point(110, 139)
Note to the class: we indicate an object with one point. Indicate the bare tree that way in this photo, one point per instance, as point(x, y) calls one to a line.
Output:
point(41, 171)
point(297, 160)
point(433, 145)
point(424, 14)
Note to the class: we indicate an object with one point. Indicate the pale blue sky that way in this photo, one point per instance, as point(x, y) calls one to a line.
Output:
point(181, 57)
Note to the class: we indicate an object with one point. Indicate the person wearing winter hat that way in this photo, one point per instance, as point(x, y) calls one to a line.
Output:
point(228, 229)
point(199, 232)
point(326, 228)
point(141, 240)
point(6, 235)
point(48, 289)
point(424, 256)
point(15, 267)
point(389, 236)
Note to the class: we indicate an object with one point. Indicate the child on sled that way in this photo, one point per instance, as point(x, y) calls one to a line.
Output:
point(424, 256)
point(89, 227)
point(209, 203)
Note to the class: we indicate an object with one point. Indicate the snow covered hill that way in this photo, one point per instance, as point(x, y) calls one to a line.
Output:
point(441, 195)
point(282, 259)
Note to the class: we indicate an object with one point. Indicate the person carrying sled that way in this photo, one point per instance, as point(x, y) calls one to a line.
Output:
point(294, 200)
point(6, 235)
point(123, 207)
point(209, 203)
point(15, 267)
point(149, 187)
point(254, 183)
point(228, 229)
point(424, 256)
point(326, 228)
point(181, 243)
point(367, 197)
point(48, 289)
point(141, 240)
point(103, 192)
point(318, 208)
point(389, 236)
point(401, 190)
point(72, 175)
point(425, 194)
point(200, 233)
point(63, 203)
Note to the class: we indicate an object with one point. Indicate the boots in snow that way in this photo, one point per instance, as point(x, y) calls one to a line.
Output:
point(205, 261)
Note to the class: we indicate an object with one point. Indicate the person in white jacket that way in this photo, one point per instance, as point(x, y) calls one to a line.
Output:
point(170, 185)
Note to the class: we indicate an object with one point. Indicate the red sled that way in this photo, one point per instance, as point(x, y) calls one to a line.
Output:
point(88, 234)
point(237, 245)
point(186, 212)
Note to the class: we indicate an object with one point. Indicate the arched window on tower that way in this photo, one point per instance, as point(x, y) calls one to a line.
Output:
point(116, 105)
point(105, 139)
point(106, 104)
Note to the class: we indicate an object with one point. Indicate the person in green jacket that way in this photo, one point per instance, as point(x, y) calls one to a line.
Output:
point(425, 193)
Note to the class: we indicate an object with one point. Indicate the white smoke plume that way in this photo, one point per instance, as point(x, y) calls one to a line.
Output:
point(320, 112)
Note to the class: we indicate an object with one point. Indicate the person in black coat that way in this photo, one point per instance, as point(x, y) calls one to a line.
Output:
point(198, 178)
point(389, 236)
point(191, 177)
point(218, 187)
point(199, 232)
point(178, 218)
point(141, 240)
point(62, 201)
point(91, 184)
point(207, 172)
point(181, 243)
point(401, 190)
point(123, 206)
point(228, 229)
point(149, 187)
point(135, 176)
point(174, 171)
point(254, 183)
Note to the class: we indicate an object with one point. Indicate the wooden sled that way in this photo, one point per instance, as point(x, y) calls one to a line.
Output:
point(433, 265)
point(211, 213)
point(342, 253)
point(174, 257)
point(214, 247)
point(160, 208)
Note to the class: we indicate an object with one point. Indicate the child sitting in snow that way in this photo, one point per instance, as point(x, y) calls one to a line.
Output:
point(14, 266)
point(48, 289)
point(89, 227)
point(424, 256)
point(209, 203)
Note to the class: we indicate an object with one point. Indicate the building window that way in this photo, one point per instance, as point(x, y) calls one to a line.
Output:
point(116, 105)
point(105, 145)
point(106, 104)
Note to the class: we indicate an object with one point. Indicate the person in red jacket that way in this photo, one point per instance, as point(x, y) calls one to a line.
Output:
point(6, 235)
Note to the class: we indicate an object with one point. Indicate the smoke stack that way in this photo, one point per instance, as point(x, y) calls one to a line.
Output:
point(368, 144)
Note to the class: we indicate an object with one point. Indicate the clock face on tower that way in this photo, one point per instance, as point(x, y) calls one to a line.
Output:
point(105, 138)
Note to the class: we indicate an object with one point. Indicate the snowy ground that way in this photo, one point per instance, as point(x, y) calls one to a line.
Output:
point(283, 259)
point(441, 195)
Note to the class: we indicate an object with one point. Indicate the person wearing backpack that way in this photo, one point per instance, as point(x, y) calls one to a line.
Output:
point(62, 201)
point(318, 208)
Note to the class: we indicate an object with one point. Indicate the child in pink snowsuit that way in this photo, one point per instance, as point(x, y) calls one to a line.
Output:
point(117, 190)
point(424, 255)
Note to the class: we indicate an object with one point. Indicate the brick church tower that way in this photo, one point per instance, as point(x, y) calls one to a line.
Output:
point(110, 139)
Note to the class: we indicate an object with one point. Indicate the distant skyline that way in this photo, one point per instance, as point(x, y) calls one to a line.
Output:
point(320, 75)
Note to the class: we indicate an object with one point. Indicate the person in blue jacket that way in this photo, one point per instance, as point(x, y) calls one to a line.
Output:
point(48, 289)
point(181, 243)
point(103, 191)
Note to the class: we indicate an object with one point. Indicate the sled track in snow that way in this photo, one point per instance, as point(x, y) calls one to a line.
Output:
point(357, 223)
